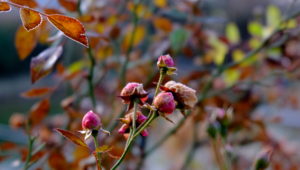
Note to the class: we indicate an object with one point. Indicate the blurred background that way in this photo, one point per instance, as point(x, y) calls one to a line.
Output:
point(275, 98)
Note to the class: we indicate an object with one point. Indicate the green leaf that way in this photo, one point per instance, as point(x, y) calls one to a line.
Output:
point(232, 33)
point(255, 29)
point(231, 76)
point(219, 52)
point(273, 16)
point(178, 39)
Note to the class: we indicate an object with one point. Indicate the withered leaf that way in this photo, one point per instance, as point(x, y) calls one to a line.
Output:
point(29, 3)
point(25, 42)
point(4, 7)
point(72, 137)
point(30, 19)
point(71, 27)
point(42, 64)
point(39, 111)
point(37, 92)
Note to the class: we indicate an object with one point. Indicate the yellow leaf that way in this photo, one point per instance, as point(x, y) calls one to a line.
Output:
point(231, 76)
point(71, 27)
point(238, 55)
point(30, 19)
point(163, 24)
point(4, 7)
point(29, 3)
point(232, 33)
point(25, 42)
point(219, 51)
point(134, 38)
point(161, 3)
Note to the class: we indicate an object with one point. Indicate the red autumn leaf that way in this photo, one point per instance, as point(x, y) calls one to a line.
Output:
point(30, 19)
point(71, 27)
point(29, 3)
point(42, 64)
point(37, 92)
point(39, 111)
point(25, 42)
point(72, 137)
point(4, 7)
point(70, 5)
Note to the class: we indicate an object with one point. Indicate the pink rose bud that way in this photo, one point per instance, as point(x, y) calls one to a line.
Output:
point(91, 121)
point(164, 102)
point(165, 61)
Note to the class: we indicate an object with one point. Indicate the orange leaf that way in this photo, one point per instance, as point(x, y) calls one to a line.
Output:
point(51, 11)
point(30, 19)
point(57, 160)
point(39, 111)
point(29, 3)
point(70, 5)
point(72, 137)
point(42, 65)
point(4, 7)
point(25, 42)
point(37, 92)
point(163, 24)
point(71, 27)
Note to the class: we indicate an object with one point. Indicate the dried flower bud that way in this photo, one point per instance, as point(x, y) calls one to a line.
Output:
point(133, 91)
point(164, 102)
point(127, 120)
point(165, 61)
point(185, 96)
point(91, 121)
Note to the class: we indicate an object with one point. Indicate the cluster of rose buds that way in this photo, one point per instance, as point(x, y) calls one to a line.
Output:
point(173, 95)
point(127, 120)
point(219, 121)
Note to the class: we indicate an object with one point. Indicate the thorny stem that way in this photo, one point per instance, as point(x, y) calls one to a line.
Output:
point(91, 76)
point(153, 115)
point(98, 154)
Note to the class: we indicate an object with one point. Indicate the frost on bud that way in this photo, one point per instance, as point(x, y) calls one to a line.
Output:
point(164, 102)
point(165, 61)
point(127, 120)
point(184, 96)
point(263, 159)
point(133, 91)
point(91, 121)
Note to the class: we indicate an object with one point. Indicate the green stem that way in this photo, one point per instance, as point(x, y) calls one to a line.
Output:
point(134, 116)
point(30, 146)
point(91, 76)
point(98, 154)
